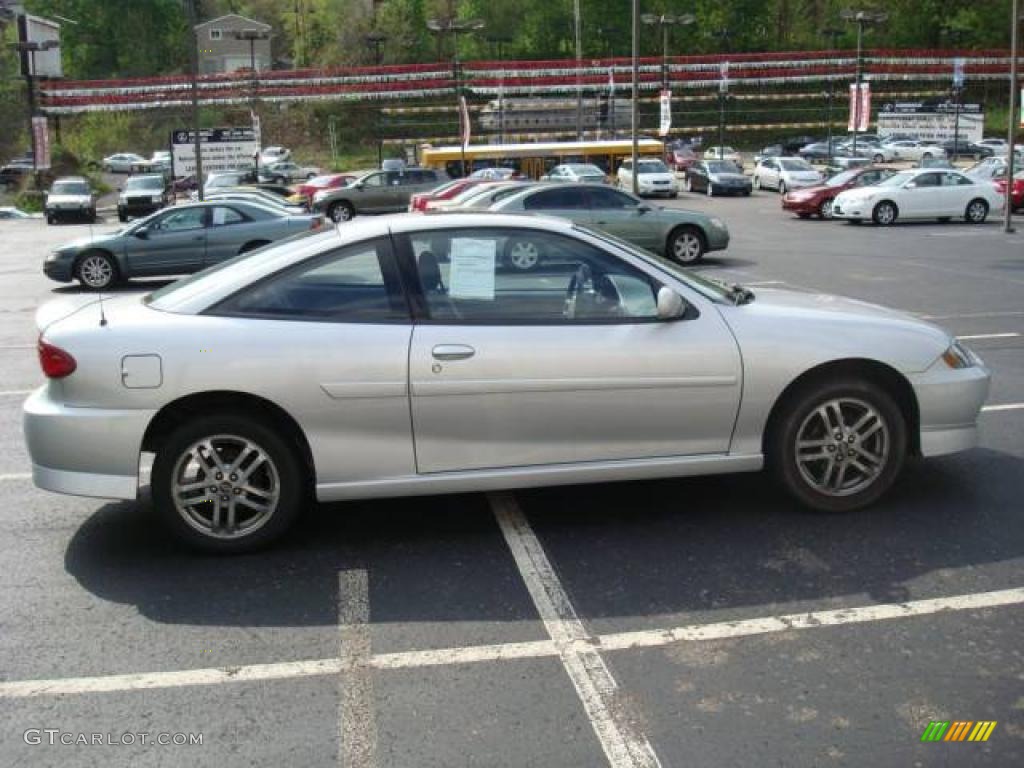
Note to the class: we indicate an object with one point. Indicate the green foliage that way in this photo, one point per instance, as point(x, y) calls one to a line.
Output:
point(30, 200)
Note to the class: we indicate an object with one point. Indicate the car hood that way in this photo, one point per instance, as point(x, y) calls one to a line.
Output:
point(861, 193)
point(726, 176)
point(841, 327)
point(803, 175)
point(650, 177)
point(63, 199)
point(90, 240)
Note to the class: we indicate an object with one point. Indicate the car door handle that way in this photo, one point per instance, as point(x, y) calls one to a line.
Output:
point(453, 352)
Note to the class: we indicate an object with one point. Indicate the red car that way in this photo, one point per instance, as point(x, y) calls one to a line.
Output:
point(317, 183)
point(448, 190)
point(1017, 195)
point(811, 201)
point(680, 158)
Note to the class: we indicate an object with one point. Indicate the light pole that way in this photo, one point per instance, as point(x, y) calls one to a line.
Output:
point(956, 90)
point(252, 35)
point(451, 25)
point(861, 19)
point(635, 175)
point(725, 35)
point(31, 48)
point(665, 21)
point(834, 34)
point(576, 22)
point(193, 20)
point(497, 41)
point(375, 41)
point(1011, 132)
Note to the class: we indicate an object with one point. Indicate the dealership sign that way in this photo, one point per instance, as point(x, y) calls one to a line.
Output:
point(932, 121)
point(224, 149)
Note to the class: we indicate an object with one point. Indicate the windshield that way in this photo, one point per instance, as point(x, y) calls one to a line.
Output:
point(723, 166)
point(587, 170)
point(145, 182)
point(652, 166)
point(707, 287)
point(70, 188)
point(841, 178)
point(792, 164)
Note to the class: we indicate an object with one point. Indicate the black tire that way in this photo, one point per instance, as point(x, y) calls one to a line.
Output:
point(340, 212)
point(885, 213)
point(686, 245)
point(122, 216)
point(291, 478)
point(756, 183)
point(825, 208)
point(879, 158)
point(252, 246)
point(710, 191)
point(51, 220)
point(797, 419)
point(977, 211)
point(803, 215)
point(782, 187)
point(96, 270)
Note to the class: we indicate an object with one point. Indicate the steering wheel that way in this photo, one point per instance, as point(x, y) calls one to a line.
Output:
point(581, 281)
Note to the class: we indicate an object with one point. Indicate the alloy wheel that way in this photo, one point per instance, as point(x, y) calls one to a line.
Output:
point(977, 212)
point(842, 447)
point(225, 486)
point(96, 271)
point(687, 247)
point(523, 255)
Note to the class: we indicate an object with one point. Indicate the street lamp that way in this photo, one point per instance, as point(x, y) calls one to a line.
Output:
point(861, 19)
point(451, 25)
point(375, 41)
point(31, 48)
point(725, 35)
point(252, 35)
point(665, 21)
point(497, 41)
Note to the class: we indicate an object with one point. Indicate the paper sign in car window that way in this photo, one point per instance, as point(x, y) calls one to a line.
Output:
point(219, 216)
point(472, 269)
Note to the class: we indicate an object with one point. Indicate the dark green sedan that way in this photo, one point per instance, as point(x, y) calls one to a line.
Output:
point(684, 236)
point(174, 241)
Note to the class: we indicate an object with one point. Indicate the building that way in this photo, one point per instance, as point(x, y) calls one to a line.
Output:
point(221, 51)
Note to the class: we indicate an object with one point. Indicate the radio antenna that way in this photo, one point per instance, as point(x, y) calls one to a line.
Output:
point(103, 315)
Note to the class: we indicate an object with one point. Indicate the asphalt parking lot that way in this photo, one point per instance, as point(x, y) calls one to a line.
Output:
point(678, 622)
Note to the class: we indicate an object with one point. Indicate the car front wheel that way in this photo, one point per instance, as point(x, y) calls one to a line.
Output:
point(839, 446)
point(686, 245)
point(885, 213)
point(977, 211)
point(227, 483)
point(825, 208)
point(339, 212)
point(96, 270)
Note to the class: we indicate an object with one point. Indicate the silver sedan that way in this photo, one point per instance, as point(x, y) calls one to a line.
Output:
point(400, 356)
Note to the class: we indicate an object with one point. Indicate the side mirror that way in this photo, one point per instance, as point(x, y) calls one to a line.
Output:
point(143, 234)
point(670, 304)
point(644, 209)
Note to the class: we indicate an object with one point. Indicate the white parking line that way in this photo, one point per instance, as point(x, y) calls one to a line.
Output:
point(15, 392)
point(1012, 335)
point(357, 739)
point(16, 476)
point(1002, 407)
point(1007, 313)
point(623, 743)
point(618, 641)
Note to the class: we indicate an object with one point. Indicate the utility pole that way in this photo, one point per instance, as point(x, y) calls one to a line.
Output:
point(861, 19)
point(666, 20)
point(375, 41)
point(1011, 132)
point(833, 34)
point(635, 175)
point(193, 21)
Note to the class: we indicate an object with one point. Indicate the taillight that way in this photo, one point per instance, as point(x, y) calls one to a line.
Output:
point(55, 362)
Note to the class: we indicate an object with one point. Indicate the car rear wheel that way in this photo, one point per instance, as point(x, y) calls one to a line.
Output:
point(879, 158)
point(686, 245)
point(342, 211)
point(782, 187)
point(757, 182)
point(523, 255)
point(227, 483)
point(825, 208)
point(885, 213)
point(96, 270)
point(838, 446)
point(977, 211)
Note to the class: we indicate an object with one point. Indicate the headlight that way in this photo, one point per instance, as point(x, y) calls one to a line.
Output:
point(958, 357)
point(320, 196)
point(158, 198)
point(717, 222)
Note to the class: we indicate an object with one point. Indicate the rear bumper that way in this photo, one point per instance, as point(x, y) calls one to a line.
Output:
point(83, 451)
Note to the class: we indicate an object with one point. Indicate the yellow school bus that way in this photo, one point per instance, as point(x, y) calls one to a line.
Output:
point(534, 160)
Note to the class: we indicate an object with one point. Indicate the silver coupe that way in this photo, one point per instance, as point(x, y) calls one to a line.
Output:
point(401, 355)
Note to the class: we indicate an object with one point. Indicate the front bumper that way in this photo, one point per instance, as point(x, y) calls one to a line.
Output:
point(659, 189)
point(67, 212)
point(808, 205)
point(855, 209)
point(83, 451)
point(949, 402)
point(59, 269)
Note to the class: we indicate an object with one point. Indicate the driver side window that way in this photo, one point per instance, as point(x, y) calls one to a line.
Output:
point(526, 277)
point(178, 221)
